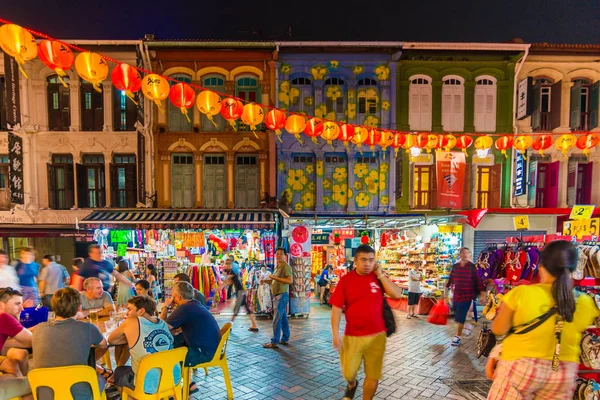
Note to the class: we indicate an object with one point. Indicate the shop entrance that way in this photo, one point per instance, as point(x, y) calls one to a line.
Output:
point(214, 181)
point(182, 175)
point(246, 181)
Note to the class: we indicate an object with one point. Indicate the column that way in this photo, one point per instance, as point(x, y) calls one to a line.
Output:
point(391, 180)
point(402, 105)
point(386, 191)
point(76, 161)
point(164, 193)
point(107, 178)
point(263, 157)
point(436, 106)
point(108, 109)
point(352, 86)
point(75, 100)
point(504, 112)
point(199, 163)
point(385, 95)
point(320, 157)
point(230, 180)
point(565, 106)
point(196, 117)
point(469, 114)
point(351, 160)
point(595, 197)
point(563, 173)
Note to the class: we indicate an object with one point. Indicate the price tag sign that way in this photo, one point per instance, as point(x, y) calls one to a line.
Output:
point(582, 212)
point(582, 227)
point(521, 222)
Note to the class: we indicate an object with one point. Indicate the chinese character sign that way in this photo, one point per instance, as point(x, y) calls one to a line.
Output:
point(15, 155)
point(451, 166)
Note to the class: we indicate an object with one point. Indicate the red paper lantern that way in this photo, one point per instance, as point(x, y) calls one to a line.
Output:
point(504, 143)
point(364, 238)
point(231, 110)
point(313, 129)
point(56, 56)
point(182, 96)
point(587, 142)
point(463, 142)
point(398, 142)
point(373, 138)
point(337, 239)
point(346, 134)
point(542, 143)
point(126, 78)
point(275, 121)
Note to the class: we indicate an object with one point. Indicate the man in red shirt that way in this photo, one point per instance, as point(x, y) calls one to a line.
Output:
point(16, 360)
point(359, 293)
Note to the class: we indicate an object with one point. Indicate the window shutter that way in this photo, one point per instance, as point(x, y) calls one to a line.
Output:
point(594, 104)
point(572, 182)
point(490, 110)
point(555, 104)
point(114, 186)
point(51, 186)
point(69, 186)
point(131, 185)
point(116, 106)
point(432, 188)
point(495, 185)
point(536, 118)
point(466, 203)
point(575, 109)
point(98, 110)
point(82, 191)
point(414, 118)
point(131, 112)
point(54, 118)
point(458, 118)
point(102, 186)
point(64, 99)
point(447, 112)
point(479, 119)
point(425, 109)
point(87, 113)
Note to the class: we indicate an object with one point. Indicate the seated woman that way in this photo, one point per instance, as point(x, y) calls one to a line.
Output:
point(142, 288)
point(67, 342)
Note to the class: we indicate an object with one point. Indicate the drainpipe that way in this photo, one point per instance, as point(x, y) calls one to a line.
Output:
point(514, 117)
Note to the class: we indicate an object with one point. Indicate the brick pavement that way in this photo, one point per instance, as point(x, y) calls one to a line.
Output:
point(419, 363)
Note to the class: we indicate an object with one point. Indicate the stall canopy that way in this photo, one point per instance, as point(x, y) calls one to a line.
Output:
point(396, 221)
point(192, 219)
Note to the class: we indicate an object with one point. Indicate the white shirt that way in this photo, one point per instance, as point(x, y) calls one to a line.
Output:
point(8, 277)
point(414, 284)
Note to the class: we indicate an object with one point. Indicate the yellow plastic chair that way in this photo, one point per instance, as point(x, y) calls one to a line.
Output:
point(60, 379)
point(219, 360)
point(165, 361)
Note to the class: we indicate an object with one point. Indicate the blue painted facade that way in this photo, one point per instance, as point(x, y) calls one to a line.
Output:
point(354, 87)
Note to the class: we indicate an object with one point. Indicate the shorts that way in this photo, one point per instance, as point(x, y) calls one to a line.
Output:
point(529, 378)
point(14, 387)
point(240, 300)
point(124, 377)
point(461, 309)
point(413, 298)
point(355, 349)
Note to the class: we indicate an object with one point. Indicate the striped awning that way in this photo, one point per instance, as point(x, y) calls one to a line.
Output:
point(201, 219)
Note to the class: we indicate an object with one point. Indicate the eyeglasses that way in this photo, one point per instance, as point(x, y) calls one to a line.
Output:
point(9, 291)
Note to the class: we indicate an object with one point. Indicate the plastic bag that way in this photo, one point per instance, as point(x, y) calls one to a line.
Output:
point(439, 313)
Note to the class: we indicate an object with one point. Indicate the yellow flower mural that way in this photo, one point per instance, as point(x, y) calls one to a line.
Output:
point(382, 181)
point(309, 101)
point(350, 193)
point(284, 93)
point(384, 200)
point(281, 166)
point(321, 112)
point(383, 72)
point(384, 167)
point(311, 186)
point(358, 185)
point(285, 68)
point(351, 110)
point(327, 200)
point(318, 72)
point(294, 95)
point(358, 69)
point(326, 183)
point(287, 195)
point(351, 94)
point(371, 120)
point(385, 105)
point(334, 64)
point(340, 194)
point(310, 169)
point(308, 200)
point(298, 207)
point(296, 179)
point(363, 200)
point(319, 168)
point(333, 92)
point(372, 182)
point(340, 174)
point(361, 170)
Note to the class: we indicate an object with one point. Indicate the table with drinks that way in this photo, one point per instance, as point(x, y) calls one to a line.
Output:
point(106, 325)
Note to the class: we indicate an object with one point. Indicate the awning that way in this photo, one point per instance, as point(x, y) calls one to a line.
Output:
point(390, 221)
point(192, 219)
point(474, 217)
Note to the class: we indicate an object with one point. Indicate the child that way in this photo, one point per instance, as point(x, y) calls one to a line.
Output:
point(493, 359)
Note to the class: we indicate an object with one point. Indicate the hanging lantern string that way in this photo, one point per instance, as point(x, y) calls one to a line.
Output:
point(268, 107)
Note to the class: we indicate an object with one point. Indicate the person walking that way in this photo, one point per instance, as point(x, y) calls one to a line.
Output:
point(466, 287)
point(52, 278)
point(280, 282)
point(240, 295)
point(414, 289)
point(323, 282)
point(8, 274)
point(76, 264)
point(95, 267)
point(542, 363)
point(28, 271)
point(360, 294)
point(124, 292)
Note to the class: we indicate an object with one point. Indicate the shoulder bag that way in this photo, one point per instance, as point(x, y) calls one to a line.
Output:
point(388, 315)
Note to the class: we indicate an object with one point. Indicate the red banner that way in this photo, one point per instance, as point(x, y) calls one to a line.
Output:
point(450, 173)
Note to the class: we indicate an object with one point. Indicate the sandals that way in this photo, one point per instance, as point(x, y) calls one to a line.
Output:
point(350, 392)
point(193, 391)
point(107, 373)
point(270, 346)
point(253, 329)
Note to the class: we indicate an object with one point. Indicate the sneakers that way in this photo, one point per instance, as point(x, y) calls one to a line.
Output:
point(350, 392)
point(455, 341)
point(468, 329)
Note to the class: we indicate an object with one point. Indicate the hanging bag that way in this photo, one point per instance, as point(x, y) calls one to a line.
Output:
point(388, 315)
point(439, 313)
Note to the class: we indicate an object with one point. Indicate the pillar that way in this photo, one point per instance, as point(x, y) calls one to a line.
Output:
point(165, 191)
point(108, 109)
point(469, 114)
point(384, 95)
point(386, 191)
point(320, 157)
point(76, 161)
point(436, 106)
point(401, 110)
point(563, 173)
point(263, 157)
point(565, 108)
point(351, 179)
point(504, 106)
point(391, 183)
point(75, 103)
point(107, 178)
point(230, 156)
point(199, 164)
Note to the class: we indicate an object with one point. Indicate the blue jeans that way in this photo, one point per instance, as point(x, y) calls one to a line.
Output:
point(280, 319)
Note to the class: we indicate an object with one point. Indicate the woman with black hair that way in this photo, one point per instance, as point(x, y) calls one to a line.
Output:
point(124, 292)
point(544, 323)
point(152, 277)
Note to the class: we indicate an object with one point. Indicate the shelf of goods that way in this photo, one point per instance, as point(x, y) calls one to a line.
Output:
point(397, 260)
point(589, 369)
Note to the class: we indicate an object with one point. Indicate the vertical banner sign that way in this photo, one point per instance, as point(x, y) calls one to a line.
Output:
point(301, 263)
point(141, 166)
point(15, 143)
point(450, 173)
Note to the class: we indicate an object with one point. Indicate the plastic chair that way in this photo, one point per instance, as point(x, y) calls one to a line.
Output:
point(165, 361)
point(219, 360)
point(60, 379)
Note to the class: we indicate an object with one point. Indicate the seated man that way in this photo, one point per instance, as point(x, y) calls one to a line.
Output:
point(186, 278)
point(200, 331)
point(95, 298)
point(66, 342)
point(139, 335)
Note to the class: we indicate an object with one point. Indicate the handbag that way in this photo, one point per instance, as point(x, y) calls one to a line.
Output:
point(439, 313)
point(485, 341)
point(388, 315)
point(31, 316)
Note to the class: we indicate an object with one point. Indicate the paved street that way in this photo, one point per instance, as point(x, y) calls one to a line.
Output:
point(420, 363)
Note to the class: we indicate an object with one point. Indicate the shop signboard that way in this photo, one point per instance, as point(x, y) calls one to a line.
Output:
point(300, 241)
point(141, 166)
point(320, 238)
point(582, 212)
point(521, 222)
point(13, 119)
point(450, 228)
point(450, 172)
point(120, 236)
point(301, 263)
point(525, 98)
point(520, 170)
point(532, 183)
point(582, 227)
point(345, 233)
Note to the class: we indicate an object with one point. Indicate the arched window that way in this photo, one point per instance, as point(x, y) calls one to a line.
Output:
point(485, 104)
point(582, 102)
point(453, 101)
point(301, 95)
point(335, 98)
point(177, 121)
point(419, 103)
point(59, 104)
point(215, 83)
point(368, 99)
point(247, 88)
point(92, 107)
point(546, 97)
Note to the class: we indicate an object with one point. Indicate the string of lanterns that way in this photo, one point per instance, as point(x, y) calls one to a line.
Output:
point(20, 44)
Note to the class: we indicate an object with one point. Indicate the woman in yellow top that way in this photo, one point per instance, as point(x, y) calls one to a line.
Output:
point(525, 367)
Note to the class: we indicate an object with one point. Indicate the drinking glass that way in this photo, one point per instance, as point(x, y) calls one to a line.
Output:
point(110, 326)
point(94, 317)
point(51, 316)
